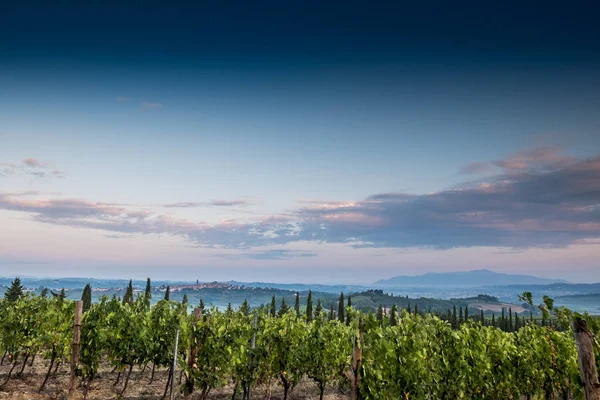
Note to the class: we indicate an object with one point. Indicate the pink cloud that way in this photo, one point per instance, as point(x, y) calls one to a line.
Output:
point(546, 157)
point(31, 167)
point(477, 168)
point(211, 203)
point(33, 163)
point(553, 204)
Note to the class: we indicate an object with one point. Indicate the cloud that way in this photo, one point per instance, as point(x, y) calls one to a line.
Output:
point(38, 174)
point(18, 261)
point(271, 255)
point(64, 208)
point(33, 163)
point(478, 168)
point(544, 158)
point(122, 99)
point(212, 203)
point(184, 205)
point(24, 193)
point(30, 167)
point(113, 236)
point(7, 169)
point(150, 106)
point(549, 205)
point(546, 199)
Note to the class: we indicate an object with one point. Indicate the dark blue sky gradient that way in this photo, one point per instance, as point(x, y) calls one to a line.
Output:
point(347, 131)
point(301, 34)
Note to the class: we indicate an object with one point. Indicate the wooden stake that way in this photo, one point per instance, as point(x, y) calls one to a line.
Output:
point(587, 362)
point(174, 364)
point(357, 345)
point(75, 348)
point(252, 347)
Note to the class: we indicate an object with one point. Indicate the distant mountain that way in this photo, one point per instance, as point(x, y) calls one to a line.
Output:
point(480, 277)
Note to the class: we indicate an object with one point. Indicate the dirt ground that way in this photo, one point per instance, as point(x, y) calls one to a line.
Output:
point(102, 387)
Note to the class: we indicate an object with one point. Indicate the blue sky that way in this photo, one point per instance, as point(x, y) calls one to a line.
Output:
point(310, 144)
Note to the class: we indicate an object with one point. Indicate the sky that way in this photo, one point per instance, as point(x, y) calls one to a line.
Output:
point(299, 141)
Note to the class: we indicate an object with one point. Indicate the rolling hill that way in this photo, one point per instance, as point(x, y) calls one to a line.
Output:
point(480, 277)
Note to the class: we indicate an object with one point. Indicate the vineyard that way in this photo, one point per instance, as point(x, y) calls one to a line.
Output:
point(267, 354)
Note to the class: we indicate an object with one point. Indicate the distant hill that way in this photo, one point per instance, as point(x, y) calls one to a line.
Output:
point(589, 302)
point(304, 287)
point(480, 277)
point(369, 300)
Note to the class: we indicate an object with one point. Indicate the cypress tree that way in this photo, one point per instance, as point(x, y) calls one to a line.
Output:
point(229, 309)
point(348, 314)
point(482, 317)
point(309, 310)
point(14, 291)
point(460, 316)
point(393, 316)
point(416, 309)
point(408, 308)
point(148, 293)
point(318, 309)
point(284, 308)
point(245, 308)
point(331, 313)
point(297, 305)
point(494, 320)
point(379, 314)
point(531, 316)
point(184, 301)
point(341, 308)
point(128, 297)
point(510, 322)
point(62, 295)
point(502, 321)
point(86, 297)
point(466, 313)
point(516, 321)
point(44, 292)
point(273, 307)
point(454, 319)
point(168, 293)
point(201, 306)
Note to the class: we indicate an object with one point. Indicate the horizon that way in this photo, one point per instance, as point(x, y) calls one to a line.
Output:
point(316, 283)
point(319, 142)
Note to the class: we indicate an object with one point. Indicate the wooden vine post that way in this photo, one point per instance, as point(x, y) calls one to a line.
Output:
point(174, 367)
point(357, 345)
point(252, 348)
point(587, 362)
point(75, 347)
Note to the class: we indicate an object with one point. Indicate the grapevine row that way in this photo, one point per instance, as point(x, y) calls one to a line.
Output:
point(415, 357)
